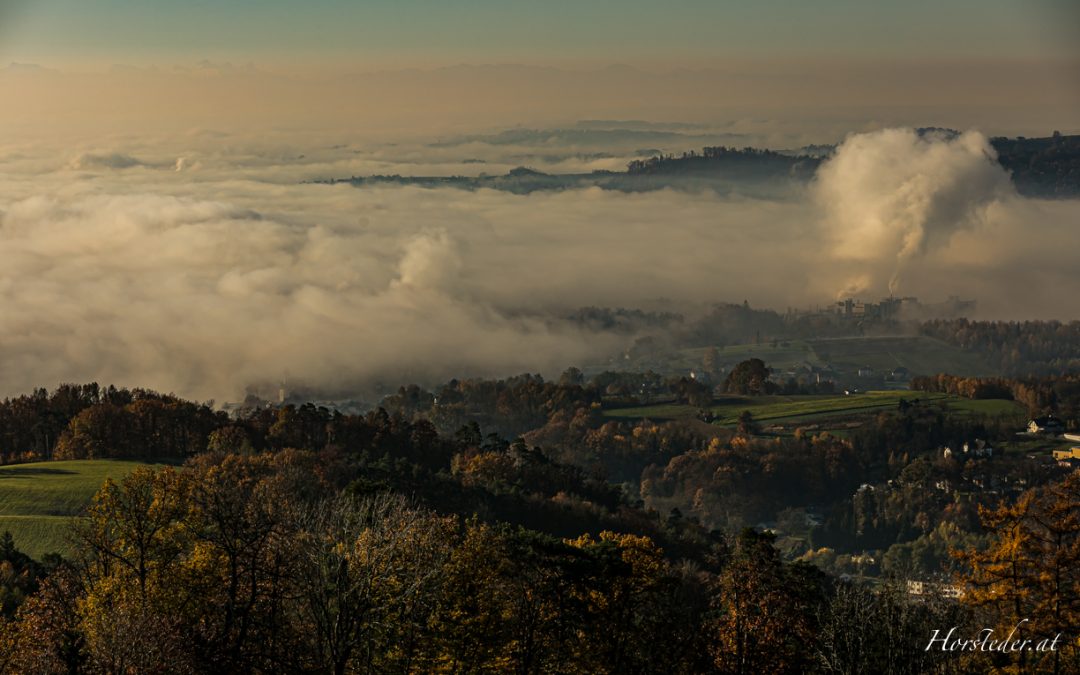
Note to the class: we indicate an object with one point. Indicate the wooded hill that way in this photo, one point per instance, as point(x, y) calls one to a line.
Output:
point(1040, 167)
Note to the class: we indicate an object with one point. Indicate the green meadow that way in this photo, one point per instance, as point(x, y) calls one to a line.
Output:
point(39, 500)
point(797, 408)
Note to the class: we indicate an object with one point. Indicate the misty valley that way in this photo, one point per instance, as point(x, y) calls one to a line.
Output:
point(717, 409)
point(349, 473)
point(593, 337)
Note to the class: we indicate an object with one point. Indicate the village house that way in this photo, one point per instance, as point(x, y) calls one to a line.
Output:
point(900, 374)
point(923, 589)
point(1046, 425)
point(1068, 458)
point(978, 449)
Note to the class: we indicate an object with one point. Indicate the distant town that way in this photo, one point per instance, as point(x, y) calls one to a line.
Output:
point(890, 309)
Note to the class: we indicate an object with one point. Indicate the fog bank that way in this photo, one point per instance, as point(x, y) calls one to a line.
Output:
point(197, 266)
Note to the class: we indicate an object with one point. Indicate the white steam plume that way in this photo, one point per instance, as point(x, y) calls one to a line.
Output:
point(894, 194)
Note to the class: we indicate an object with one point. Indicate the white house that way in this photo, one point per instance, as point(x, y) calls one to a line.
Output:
point(1046, 425)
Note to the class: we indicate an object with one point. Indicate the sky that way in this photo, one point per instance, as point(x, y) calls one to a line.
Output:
point(389, 33)
point(419, 66)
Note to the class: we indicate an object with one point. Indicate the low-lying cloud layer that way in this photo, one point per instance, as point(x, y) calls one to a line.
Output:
point(227, 272)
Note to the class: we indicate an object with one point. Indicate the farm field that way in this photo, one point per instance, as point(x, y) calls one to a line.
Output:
point(920, 355)
point(989, 406)
point(799, 408)
point(38, 501)
point(778, 407)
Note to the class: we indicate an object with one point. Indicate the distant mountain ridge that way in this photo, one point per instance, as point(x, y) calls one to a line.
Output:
point(1047, 167)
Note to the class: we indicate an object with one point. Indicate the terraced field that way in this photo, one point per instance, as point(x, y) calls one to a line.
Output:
point(778, 407)
point(799, 408)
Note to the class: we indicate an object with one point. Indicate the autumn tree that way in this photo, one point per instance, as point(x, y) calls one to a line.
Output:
point(750, 377)
point(44, 636)
point(886, 630)
point(1031, 571)
point(691, 392)
point(746, 424)
point(241, 563)
point(635, 615)
point(190, 569)
point(367, 578)
point(765, 611)
point(135, 536)
point(473, 629)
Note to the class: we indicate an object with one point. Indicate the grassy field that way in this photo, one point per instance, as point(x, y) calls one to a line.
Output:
point(992, 407)
point(800, 408)
point(920, 355)
point(780, 407)
point(37, 501)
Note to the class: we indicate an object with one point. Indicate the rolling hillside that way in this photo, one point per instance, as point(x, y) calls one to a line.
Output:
point(806, 408)
point(38, 501)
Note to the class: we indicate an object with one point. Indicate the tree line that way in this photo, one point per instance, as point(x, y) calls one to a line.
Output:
point(254, 563)
point(265, 563)
point(299, 539)
point(1056, 394)
point(1015, 348)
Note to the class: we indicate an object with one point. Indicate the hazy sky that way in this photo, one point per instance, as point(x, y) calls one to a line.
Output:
point(424, 32)
point(834, 66)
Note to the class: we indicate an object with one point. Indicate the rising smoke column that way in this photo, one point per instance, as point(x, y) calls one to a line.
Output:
point(891, 196)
